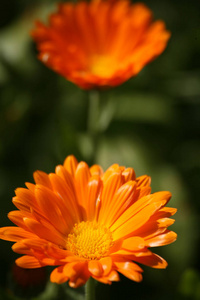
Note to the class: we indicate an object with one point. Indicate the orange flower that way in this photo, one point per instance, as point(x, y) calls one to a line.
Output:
point(101, 43)
point(89, 223)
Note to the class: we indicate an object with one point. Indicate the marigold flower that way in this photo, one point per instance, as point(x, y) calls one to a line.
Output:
point(89, 223)
point(100, 43)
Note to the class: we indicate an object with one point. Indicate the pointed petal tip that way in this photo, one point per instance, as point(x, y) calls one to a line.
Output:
point(70, 163)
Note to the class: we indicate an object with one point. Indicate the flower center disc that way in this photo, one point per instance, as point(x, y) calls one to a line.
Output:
point(89, 240)
point(102, 65)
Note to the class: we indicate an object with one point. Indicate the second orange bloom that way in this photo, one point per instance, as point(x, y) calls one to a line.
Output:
point(89, 223)
point(101, 43)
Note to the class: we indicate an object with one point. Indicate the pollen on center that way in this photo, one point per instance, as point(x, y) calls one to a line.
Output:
point(89, 240)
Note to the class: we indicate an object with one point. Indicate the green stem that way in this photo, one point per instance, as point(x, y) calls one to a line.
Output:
point(93, 123)
point(93, 113)
point(90, 289)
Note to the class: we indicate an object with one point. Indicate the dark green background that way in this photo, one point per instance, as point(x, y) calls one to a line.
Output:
point(150, 123)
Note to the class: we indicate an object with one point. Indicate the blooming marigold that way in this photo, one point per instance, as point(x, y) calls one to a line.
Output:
point(89, 223)
point(100, 43)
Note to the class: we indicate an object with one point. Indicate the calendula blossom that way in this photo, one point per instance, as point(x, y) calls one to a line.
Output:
point(89, 223)
point(100, 43)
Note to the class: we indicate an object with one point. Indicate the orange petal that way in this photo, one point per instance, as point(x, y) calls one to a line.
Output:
point(30, 186)
point(70, 164)
point(122, 199)
point(165, 222)
point(21, 248)
point(133, 243)
point(141, 15)
point(45, 261)
point(152, 260)
point(129, 222)
point(66, 201)
point(52, 208)
point(82, 177)
point(55, 252)
point(64, 187)
point(78, 280)
point(28, 246)
point(14, 234)
point(100, 24)
point(81, 276)
point(167, 212)
point(112, 169)
point(67, 177)
point(58, 276)
point(93, 196)
point(111, 185)
point(131, 274)
point(149, 230)
point(42, 178)
point(83, 21)
point(48, 233)
point(130, 270)
point(112, 276)
point(17, 218)
point(143, 191)
point(25, 200)
point(71, 258)
point(40, 249)
point(129, 174)
point(141, 204)
point(28, 262)
point(69, 270)
point(157, 223)
point(20, 205)
point(96, 170)
point(95, 268)
point(162, 239)
point(36, 243)
point(143, 180)
point(106, 263)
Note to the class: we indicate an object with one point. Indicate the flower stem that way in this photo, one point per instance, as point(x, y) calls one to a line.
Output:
point(93, 123)
point(93, 114)
point(90, 289)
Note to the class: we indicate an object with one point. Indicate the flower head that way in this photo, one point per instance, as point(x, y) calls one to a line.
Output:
point(89, 223)
point(100, 43)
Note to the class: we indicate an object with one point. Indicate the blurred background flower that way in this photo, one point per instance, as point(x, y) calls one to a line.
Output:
point(151, 123)
point(26, 283)
point(100, 43)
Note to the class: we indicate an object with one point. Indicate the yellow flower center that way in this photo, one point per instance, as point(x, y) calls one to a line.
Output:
point(89, 240)
point(103, 65)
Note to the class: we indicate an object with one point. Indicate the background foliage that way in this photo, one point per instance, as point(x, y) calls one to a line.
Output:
point(150, 123)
